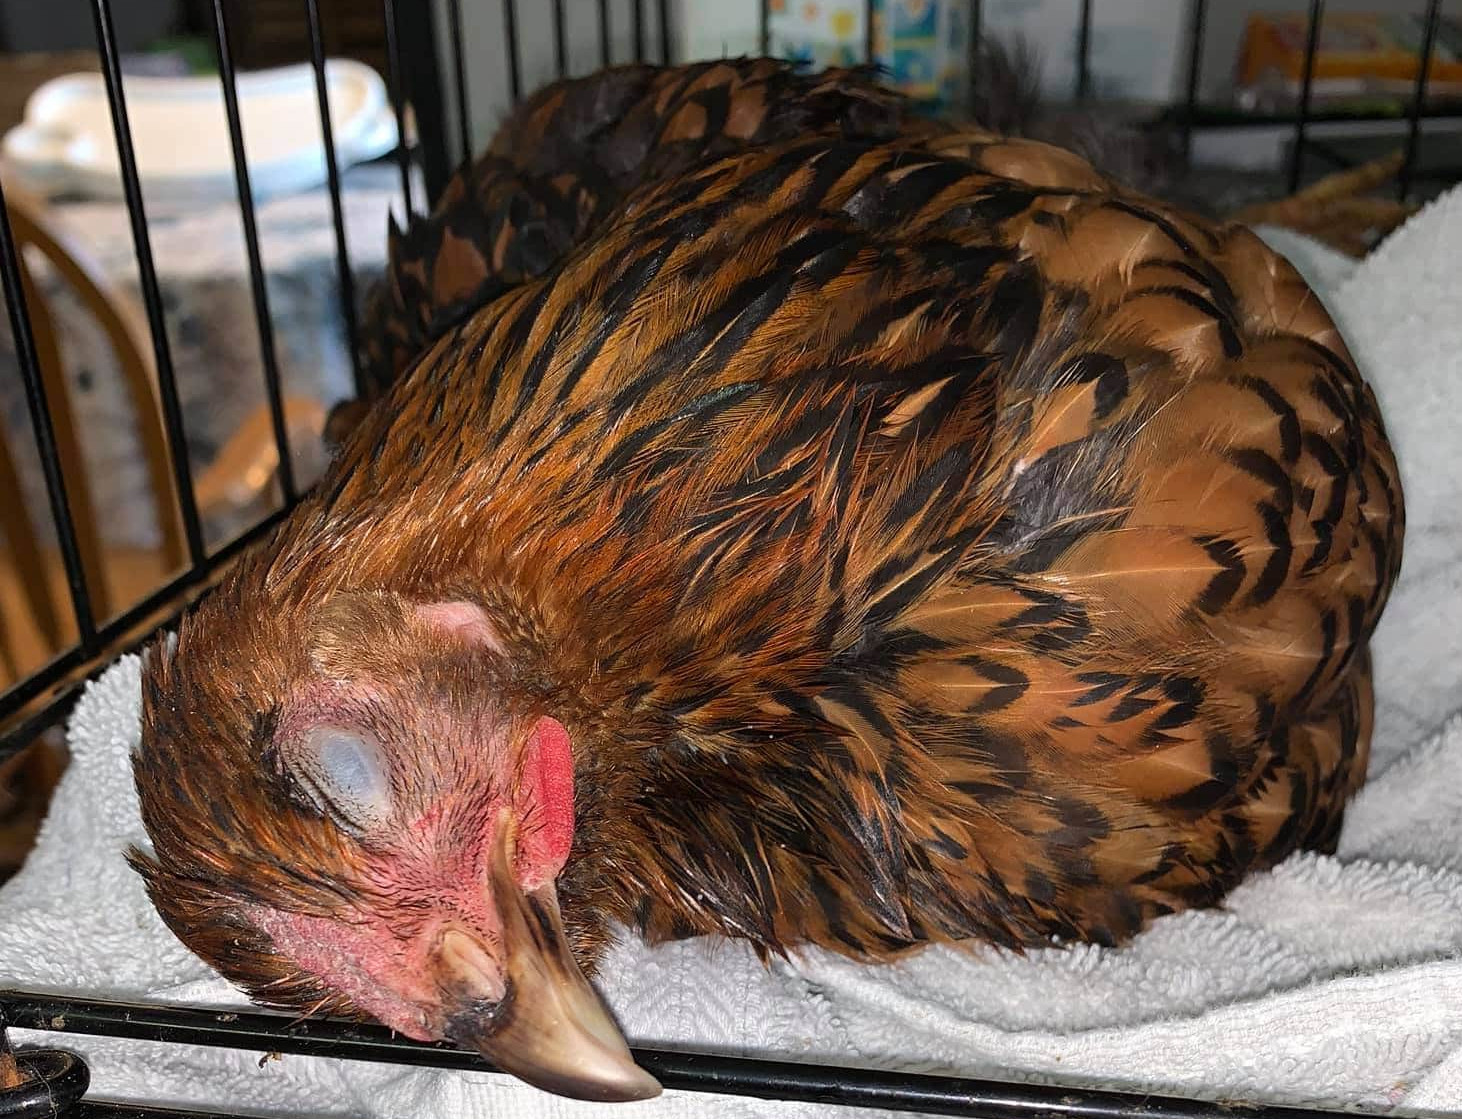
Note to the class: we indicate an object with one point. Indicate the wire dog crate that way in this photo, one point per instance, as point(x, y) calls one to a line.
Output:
point(418, 76)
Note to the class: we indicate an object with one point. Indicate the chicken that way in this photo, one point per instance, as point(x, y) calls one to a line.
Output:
point(565, 159)
point(848, 540)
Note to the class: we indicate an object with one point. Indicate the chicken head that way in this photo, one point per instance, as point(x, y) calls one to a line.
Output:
point(436, 820)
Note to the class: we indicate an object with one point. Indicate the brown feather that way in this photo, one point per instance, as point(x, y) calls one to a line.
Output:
point(921, 537)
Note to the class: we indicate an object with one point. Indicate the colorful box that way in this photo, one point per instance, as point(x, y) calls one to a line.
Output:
point(922, 45)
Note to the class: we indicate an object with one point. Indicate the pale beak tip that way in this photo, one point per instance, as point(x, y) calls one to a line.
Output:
point(627, 1084)
point(611, 1075)
point(645, 1087)
point(600, 1076)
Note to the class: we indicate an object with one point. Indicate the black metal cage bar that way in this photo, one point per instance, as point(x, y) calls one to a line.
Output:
point(111, 60)
point(1418, 98)
point(637, 28)
point(973, 14)
point(44, 431)
point(560, 41)
point(693, 1072)
point(1197, 18)
point(263, 323)
point(1083, 51)
point(459, 73)
point(337, 205)
point(510, 49)
point(421, 77)
point(1307, 85)
point(397, 89)
point(415, 73)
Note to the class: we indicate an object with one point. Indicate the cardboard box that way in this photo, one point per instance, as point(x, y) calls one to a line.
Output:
point(1359, 57)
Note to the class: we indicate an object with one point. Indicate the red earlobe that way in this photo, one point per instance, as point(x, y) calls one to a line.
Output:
point(547, 792)
point(544, 793)
point(465, 621)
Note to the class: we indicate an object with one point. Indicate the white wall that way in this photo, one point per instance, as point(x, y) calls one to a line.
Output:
point(484, 36)
point(715, 28)
point(1135, 44)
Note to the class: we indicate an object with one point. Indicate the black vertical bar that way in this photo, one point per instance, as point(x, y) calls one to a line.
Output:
point(604, 46)
point(398, 102)
point(764, 27)
point(1083, 53)
point(560, 48)
point(421, 77)
point(869, 51)
point(1302, 119)
point(973, 54)
point(1413, 129)
point(459, 69)
point(510, 30)
point(662, 11)
point(45, 432)
point(251, 242)
point(1198, 14)
point(337, 212)
point(637, 16)
point(172, 411)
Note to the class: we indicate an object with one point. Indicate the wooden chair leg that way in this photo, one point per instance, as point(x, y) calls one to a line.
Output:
point(25, 554)
point(68, 446)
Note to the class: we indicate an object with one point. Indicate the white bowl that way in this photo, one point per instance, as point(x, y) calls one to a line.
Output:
point(180, 133)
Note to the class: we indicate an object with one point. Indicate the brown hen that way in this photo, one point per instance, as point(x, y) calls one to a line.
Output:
point(566, 157)
point(851, 540)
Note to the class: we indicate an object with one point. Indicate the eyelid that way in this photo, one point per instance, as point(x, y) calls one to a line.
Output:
point(346, 774)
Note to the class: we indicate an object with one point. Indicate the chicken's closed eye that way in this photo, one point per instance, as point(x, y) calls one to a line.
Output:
point(344, 773)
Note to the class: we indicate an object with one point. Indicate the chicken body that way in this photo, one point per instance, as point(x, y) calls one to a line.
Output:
point(566, 158)
point(860, 542)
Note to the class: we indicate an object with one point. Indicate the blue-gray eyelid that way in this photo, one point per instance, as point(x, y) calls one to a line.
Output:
point(346, 773)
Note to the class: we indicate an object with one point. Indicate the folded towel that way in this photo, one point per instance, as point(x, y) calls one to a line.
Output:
point(1399, 311)
point(1332, 980)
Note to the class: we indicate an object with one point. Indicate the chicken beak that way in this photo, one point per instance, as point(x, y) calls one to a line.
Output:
point(528, 1008)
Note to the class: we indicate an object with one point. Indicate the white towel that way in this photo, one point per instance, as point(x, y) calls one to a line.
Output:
point(1333, 981)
